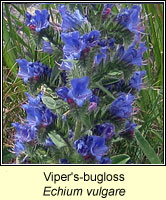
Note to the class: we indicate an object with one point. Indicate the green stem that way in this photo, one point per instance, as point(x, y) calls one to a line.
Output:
point(77, 129)
point(105, 90)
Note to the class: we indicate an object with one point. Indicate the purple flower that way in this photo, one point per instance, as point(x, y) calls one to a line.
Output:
point(91, 145)
point(129, 18)
point(73, 44)
point(80, 92)
point(63, 93)
point(106, 130)
point(129, 130)
point(47, 47)
point(91, 39)
point(101, 56)
point(39, 21)
point(30, 70)
point(25, 132)
point(49, 142)
point(19, 147)
point(122, 106)
point(92, 106)
point(136, 80)
point(70, 21)
point(105, 160)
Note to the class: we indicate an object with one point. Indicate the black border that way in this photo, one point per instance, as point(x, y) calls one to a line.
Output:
point(75, 165)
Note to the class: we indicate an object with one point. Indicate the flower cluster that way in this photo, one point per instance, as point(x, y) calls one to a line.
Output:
point(91, 95)
point(32, 70)
point(38, 115)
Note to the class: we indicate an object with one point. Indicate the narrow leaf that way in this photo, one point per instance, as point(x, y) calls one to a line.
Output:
point(120, 159)
point(147, 149)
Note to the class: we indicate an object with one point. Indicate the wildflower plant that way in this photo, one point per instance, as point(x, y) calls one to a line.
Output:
point(79, 108)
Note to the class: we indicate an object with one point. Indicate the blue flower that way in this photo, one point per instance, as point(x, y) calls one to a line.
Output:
point(49, 142)
point(63, 93)
point(83, 145)
point(101, 56)
point(34, 101)
point(120, 52)
point(34, 114)
point(47, 47)
point(27, 70)
point(66, 64)
point(102, 43)
point(94, 99)
point(136, 80)
point(39, 21)
point(117, 86)
point(129, 130)
point(63, 77)
point(70, 21)
point(18, 147)
point(30, 70)
point(98, 147)
point(129, 18)
point(106, 130)
point(91, 39)
point(122, 106)
point(47, 117)
point(63, 161)
point(105, 160)
point(73, 44)
point(25, 132)
point(91, 145)
point(71, 134)
point(111, 43)
point(38, 114)
point(131, 55)
point(80, 92)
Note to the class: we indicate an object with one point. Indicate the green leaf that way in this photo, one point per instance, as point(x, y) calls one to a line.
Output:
point(147, 149)
point(54, 75)
point(86, 120)
point(57, 139)
point(7, 155)
point(105, 90)
point(49, 102)
point(120, 159)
